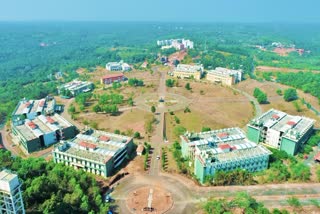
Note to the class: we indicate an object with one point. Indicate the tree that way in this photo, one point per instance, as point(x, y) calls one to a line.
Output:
point(205, 129)
point(279, 92)
point(294, 202)
point(137, 135)
point(260, 95)
point(117, 131)
point(170, 83)
point(290, 94)
point(96, 108)
point(187, 86)
point(153, 109)
point(179, 130)
point(72, 109)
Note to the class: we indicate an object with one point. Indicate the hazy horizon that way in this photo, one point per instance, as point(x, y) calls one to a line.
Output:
point(202, 11)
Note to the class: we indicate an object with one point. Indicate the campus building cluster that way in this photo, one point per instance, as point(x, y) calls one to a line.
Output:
point(11, 201)
point(178, 44)
point(75, 87)
point(35, 125)
point(95, 151)
point(118, 66)
point(111, 78)
point(280, 130)
point(223, 150)
point(188, 71)
point(224, 76)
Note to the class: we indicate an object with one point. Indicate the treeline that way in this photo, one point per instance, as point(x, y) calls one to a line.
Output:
point(54, 188)
point(308, 82)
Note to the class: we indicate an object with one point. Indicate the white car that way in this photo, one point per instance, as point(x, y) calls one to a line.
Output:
point(158, 157)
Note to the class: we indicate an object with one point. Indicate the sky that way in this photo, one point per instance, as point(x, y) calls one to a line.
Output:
point(302, 11)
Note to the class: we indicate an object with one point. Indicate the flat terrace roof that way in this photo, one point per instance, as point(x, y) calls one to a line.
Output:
point(32, 129)
point(75, 84)
point(98, 146)
point(270, 117)
point(233, 151)
point(188, 68)
point(7, 176)
point(215, 136)
point(224, 72)
point(30, 106)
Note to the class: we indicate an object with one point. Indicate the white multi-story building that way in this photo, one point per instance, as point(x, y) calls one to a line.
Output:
point(188, 71)
point(95, 151)
point(178, 44)
point(118, 66)
point(11, 201)
point(76, 87)
point(224, 76)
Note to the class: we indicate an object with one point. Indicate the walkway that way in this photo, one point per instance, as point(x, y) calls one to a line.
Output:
point(257, 107)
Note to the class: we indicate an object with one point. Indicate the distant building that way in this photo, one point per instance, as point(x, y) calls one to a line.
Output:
point(144, 64)
point(188, 71)
point(118, 66)
point(11, 201)
point(29, 109)
point(280, 130)
point(42, 131)
point(76, 87)
point(178, 44)
point(223, 150)
point(95, 151)
point(110, 78)
point(224, 76)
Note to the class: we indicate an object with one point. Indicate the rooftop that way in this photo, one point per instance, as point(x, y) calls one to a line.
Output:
point(112, 75)
point(293, 126)
point(75, 84)
point(29, 106)
point(189, 68)
point(214, 136)
point(32, 129)
point(7, 176)
point(224, 72)
point(237, 150)
point(97, 146)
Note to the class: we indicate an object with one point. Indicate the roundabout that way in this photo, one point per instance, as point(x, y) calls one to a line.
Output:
point(149, 199)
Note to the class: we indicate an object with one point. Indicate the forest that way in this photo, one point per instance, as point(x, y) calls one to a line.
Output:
point(54, 188)
point(33, 52)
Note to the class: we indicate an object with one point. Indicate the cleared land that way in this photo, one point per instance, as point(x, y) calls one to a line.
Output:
point(213, 106)
point(276, 101)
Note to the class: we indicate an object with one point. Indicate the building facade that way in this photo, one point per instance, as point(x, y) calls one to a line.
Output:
point(224, 76)
point(110, 78)
point(76, 87)
point(94, 151)
point(41, 132)
point(237, 154)
point(11, 201)
point(178, 44)
point(281, 131)
point(118, 66)
point(188, 71)
point(222, 150)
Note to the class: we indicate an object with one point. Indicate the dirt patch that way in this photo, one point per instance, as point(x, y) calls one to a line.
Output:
point(284, 51)
point(213, 106)
point(161, 200)
point(277, 69)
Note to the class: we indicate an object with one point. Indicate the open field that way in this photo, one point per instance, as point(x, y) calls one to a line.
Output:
point(212, 106)
point(133, 119)
point(277, 101)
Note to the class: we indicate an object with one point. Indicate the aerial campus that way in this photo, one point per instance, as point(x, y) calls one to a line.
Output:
point(159, 118)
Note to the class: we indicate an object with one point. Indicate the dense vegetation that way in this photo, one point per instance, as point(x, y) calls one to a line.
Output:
point(260, 95)
point(54, 188)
